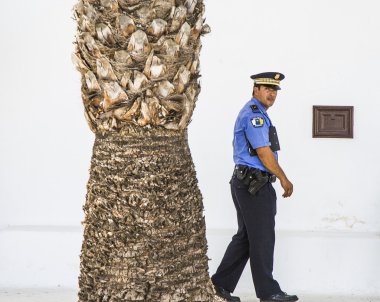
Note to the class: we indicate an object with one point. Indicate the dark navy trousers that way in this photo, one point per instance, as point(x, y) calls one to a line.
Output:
point(254, 240)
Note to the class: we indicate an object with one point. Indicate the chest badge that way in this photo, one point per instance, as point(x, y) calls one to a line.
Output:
point(257, 121)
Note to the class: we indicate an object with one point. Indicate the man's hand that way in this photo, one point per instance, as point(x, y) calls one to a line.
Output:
point(267, 158)
point(287, 186)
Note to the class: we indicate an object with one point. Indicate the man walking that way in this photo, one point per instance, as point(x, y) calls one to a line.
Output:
point(255, 155)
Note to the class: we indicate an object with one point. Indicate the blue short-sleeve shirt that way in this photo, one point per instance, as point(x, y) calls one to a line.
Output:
point(255, 124)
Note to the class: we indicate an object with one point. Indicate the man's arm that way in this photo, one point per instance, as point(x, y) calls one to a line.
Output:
point(269, 161)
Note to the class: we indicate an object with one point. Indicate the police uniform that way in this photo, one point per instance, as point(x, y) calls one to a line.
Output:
point(256, 212)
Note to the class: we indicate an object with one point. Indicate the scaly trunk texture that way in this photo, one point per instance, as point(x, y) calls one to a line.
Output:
point(144, 230)
point(144, 237)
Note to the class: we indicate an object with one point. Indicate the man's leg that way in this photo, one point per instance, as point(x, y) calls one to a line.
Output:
point(236, 255)
point(259, 212)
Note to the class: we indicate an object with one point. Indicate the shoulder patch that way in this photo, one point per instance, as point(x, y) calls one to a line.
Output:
point(257, 121)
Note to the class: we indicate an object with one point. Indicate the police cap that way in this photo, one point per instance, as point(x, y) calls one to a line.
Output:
point(270, 79)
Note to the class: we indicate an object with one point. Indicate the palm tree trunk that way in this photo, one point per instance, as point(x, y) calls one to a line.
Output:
point(144, 235)
point(144, 230)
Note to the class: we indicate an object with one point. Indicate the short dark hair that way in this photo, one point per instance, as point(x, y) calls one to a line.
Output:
point(255, 85)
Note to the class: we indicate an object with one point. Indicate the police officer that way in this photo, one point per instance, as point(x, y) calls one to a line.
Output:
point(255, 155)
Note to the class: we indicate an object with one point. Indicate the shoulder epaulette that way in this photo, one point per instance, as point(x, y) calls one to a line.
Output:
point(255, 109)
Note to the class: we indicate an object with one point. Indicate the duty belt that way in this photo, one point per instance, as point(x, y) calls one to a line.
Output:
point(247, 174)
point(255, 179)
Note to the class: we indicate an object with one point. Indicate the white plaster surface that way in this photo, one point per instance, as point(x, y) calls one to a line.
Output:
point(327, 50)
point(330, 56)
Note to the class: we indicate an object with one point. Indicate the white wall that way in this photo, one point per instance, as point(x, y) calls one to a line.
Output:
point(45, 143)
point(329, 52)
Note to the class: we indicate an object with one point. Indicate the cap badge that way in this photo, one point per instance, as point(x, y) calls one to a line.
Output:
point(277, 76)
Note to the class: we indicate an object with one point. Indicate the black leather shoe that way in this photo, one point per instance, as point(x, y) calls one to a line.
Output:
point(225, 294)
point(281, 297)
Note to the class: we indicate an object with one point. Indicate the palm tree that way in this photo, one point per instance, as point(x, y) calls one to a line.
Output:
point(144, 229)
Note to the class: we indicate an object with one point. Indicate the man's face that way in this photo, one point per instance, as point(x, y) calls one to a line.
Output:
point(265, 95)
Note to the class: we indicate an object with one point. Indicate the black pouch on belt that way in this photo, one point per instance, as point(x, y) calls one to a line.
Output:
point(259, 180)
point(241, 172)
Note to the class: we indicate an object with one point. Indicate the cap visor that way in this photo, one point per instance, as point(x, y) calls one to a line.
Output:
point(275, 87)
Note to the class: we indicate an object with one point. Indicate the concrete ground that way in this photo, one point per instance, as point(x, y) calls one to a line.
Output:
point(70, 295)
